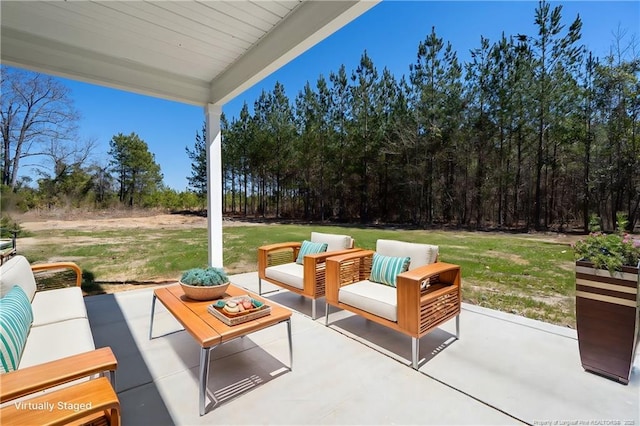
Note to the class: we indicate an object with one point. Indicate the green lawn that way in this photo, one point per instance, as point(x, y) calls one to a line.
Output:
point(518, 273)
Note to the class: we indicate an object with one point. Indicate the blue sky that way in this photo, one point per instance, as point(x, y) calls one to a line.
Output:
point(390, 32)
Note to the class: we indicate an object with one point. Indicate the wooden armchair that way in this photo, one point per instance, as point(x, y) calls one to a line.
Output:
point(425, 296)
point(91, 401)
point(277, 264)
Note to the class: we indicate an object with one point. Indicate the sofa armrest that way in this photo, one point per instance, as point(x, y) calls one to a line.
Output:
point(440, 271)
point(322, 257)
point(87, 401)
point(315, 270)
point(25, 381)
point(346, 269)
point(428, 296)
point(59, 265)
point(276, 254)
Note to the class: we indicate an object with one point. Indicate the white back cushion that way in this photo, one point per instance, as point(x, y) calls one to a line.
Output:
point(420, 254)
point(333, 241)
point(17, 271)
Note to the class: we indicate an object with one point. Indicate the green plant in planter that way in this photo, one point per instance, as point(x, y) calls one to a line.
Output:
point(206, 277)
point(609, 251)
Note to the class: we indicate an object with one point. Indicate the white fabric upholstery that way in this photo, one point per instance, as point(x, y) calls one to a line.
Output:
point(288, 273)
point(57, 340)
point(334, 241)
point(17, 271)
point(60, 323)
point(58, 305)
point(378, 299)
point(420, 254)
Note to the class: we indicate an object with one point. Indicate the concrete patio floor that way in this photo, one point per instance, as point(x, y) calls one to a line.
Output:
point(505, 369)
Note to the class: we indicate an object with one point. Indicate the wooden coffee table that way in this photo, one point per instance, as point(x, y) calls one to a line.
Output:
point(208, 331)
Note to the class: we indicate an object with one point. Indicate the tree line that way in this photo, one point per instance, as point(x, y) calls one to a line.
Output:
point(532, 132)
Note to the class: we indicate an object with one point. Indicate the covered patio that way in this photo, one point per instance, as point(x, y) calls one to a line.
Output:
point(196, 52)
point(505, 369)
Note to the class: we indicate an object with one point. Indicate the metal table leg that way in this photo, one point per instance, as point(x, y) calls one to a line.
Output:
point(205, 356)
point(153, 308)
point(290, 344)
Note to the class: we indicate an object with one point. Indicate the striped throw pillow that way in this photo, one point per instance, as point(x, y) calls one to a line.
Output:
point(385, 269)
point(308, 247)
point(16, 317)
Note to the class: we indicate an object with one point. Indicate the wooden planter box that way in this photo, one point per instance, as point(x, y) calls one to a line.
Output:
point(607, 318)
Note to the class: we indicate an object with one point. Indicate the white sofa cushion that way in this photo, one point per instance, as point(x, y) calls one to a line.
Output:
point(17, 271)
point(288, 273)
point(58, 305)
point(57, 340)
point(378, 299)
point(420, 254)
point(334, 241)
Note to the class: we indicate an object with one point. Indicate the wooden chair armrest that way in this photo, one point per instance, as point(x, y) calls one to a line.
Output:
point(350, 254)
point(321, 257)
point(60, 265)
point(280, 246)
point(315, 271)
point(28, 380)
point(66, 405)
point(438, 269)
point(276, 254)
point(346, 269)
point(427, 296)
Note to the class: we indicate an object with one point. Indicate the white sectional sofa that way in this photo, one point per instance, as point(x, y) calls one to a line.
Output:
point(60, 325)
point(52, 353)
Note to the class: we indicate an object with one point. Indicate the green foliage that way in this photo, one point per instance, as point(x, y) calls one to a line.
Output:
point(609, 251)
point(205, 277)
point(8, 227)
point(69, 186)
point(531, 132)
point(198, 156)
point(137, 172)
point(18, 200)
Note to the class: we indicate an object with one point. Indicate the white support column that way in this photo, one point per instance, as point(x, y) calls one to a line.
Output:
point(214, 184)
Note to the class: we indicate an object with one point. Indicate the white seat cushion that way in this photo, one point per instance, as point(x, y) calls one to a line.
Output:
point(378, 299)
point(57, 340)
point(420, 254)
point(288, 273)
point(58, 305)
point(334, 241)
point(17, 271)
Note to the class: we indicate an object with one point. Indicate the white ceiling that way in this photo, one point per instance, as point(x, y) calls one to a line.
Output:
point(196, 52)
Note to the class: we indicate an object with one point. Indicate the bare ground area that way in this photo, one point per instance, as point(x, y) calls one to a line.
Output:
point(107, 220)
point(103, 221)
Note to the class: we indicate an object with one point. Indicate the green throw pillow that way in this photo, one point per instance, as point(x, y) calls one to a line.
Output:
point(310, 248)
point(385, 269)
point(16, 317)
